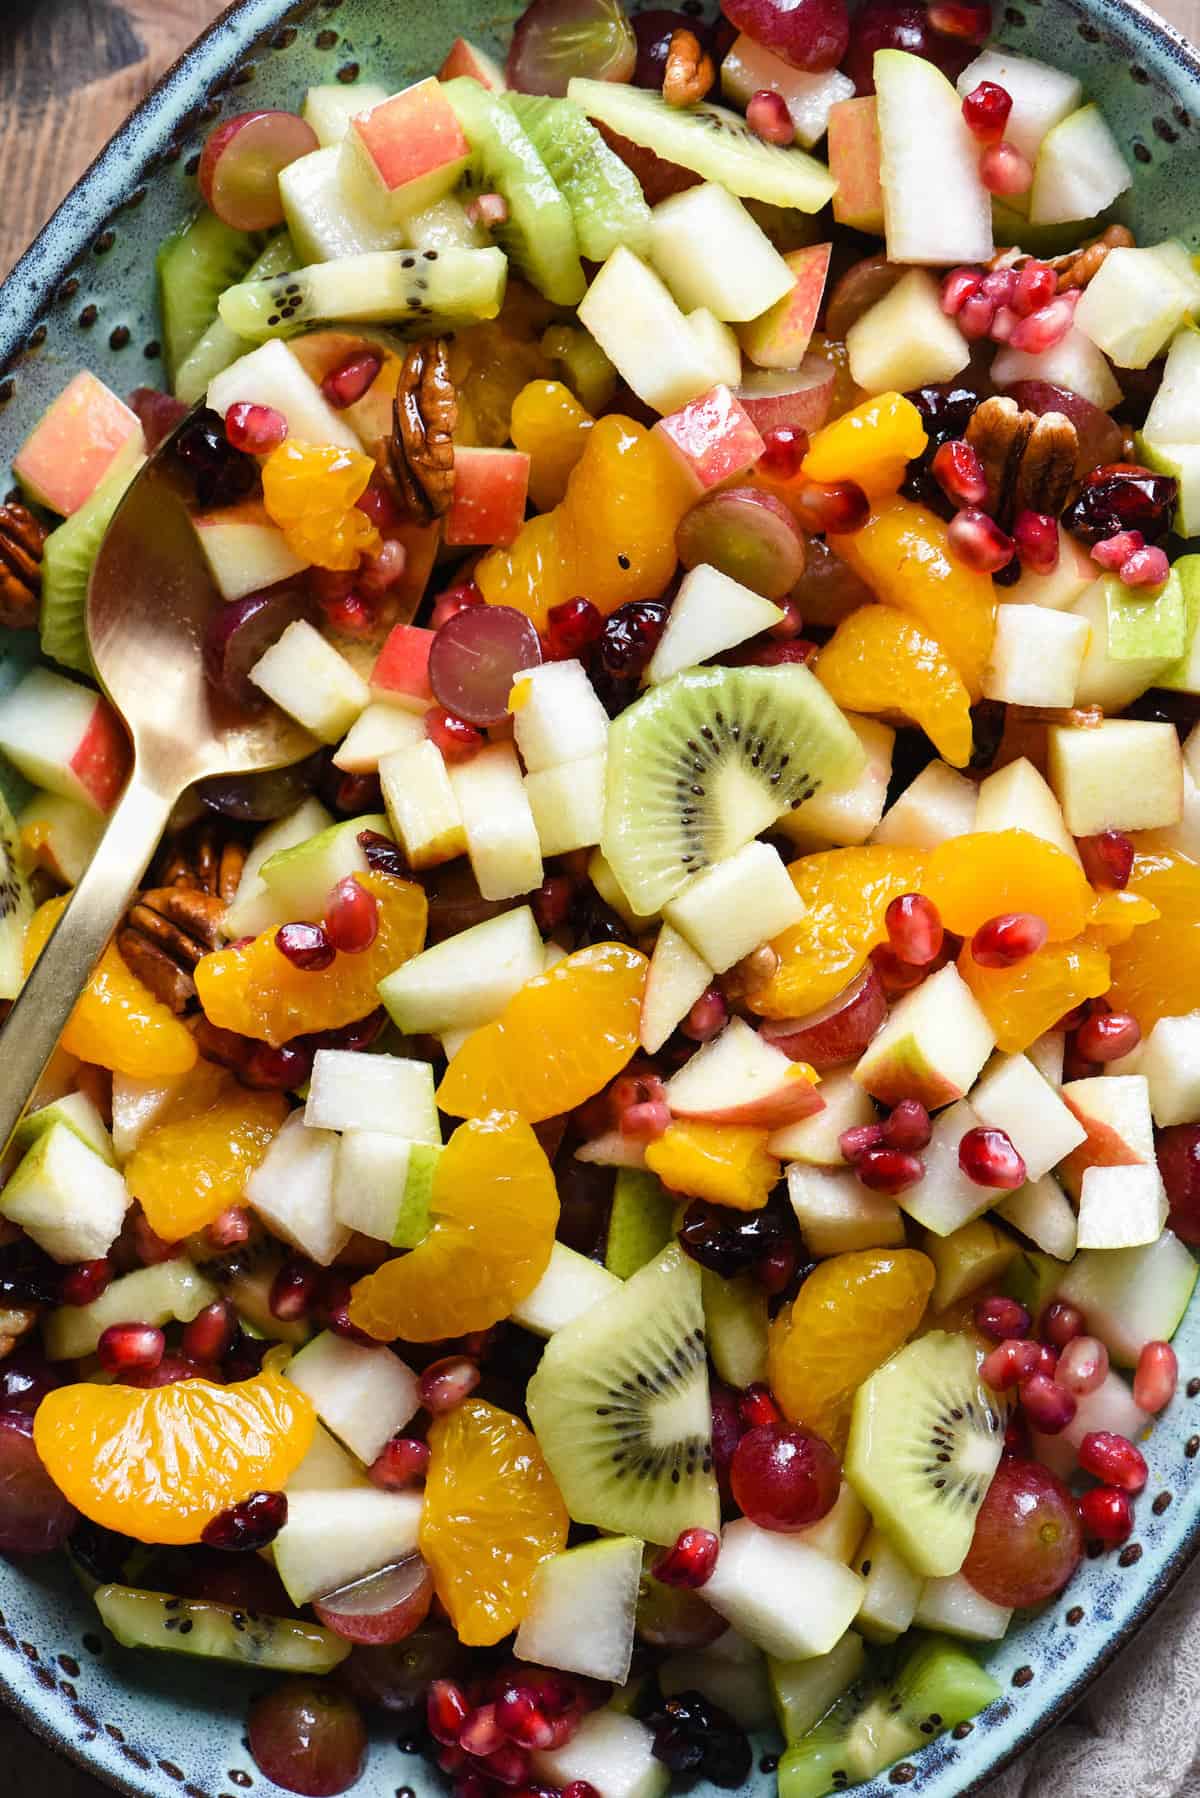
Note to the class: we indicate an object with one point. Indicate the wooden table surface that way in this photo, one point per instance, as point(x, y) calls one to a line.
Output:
point(70, 70)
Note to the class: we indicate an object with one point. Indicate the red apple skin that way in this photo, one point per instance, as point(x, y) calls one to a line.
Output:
point(74, 444)
point(713, 437)
point(411, 135)
point(101, 760)
point(854, 162)
point(774, 397)
point(837, 1033)
point(465, 59)
point(1105, 1147)
point(780, 338)
point(790, 1103)
point(490, 489)
point(401, 670)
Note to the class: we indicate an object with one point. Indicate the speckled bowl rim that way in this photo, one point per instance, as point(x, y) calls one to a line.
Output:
point(140, 142)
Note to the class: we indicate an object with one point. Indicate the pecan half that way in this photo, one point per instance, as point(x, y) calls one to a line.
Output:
point(688, 74)
point(1078, 267)
point(419, 454)
point(1029, 462)
point(21, 539)
point(15, 1324)
point(165, 933)
point(206, 858)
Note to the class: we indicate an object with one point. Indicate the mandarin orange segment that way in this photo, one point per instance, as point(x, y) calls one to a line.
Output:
point(850, 1314)
point(878, 661)
point(990, 872)
point(495, 1209)
point(493, 1513)
point(725, 1163)
point(257, 992)
point(186, 1171)
point(117, 1022)
point(309, 490)
point(871, 444)
point(159, 1464)
point(1115, 916)
point(846, 893)
point(1023, 1002)
point(1156, 974)
point(561, 1038)
point(551, 426)
point(903, 555)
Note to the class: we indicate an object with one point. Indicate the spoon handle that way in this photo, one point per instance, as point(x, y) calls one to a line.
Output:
point(40, 1014)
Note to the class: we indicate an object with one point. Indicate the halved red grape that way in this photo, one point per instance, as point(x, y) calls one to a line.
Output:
point(34, 1515)
point(25, 1379)
point(396, 1676)
point(659, 178)
point(557, 39)
point(243, 630)
point(893, 25)
point(474, 658)
point(385, 1607)
point(258, 798)
point(1100, 439)
point(308, 1737)
point(239, 169)
point(1028, 1539)
point(749, 535)
point(810, 34)
point(861, 287)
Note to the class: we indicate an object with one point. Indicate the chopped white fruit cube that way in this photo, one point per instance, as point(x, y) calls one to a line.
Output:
point(170, 1292)
point(748, 68)
point(676, 978)
point(330, 109)
point(1042, 1211)
point(271, 376)
point(952, 1605)
point(783, 1595)
point(67, 1198)
point(736, 905)
point(1114, 1109)
point(502, 839)
point(1012, 1096)
point(308, 679)
point(468, 979)
point(710, 613)
point(1170, 1064)
point(738, 1077)
point(137, 1106)
point(1036, 656)
point(571, 1285)
point(557, 716)
point(848, 814)
point(905, 340)
point(719, 346)
point(327, 1468)
point(292, 1191)
point(739, 273)
point(1073, 362)
point(1121, 1207)
point(254, 908)
point(1041, 96)
point(328, 223)
point(380, 730)
point(77, 1112)
point(1048, 1055)
point(369, 1181)
point(815, 1140)
point(597, 1582)
point(1106, 679)
point(939, 804)
point(629, 311)
point(935, 206)
point(1134, 305)
point(352, 1090)
point(932, 1046)
point(1071, 575)
point(945, 1200)
point(891, 1592)
point(567, 803)
point(974, 1256)
point(1079, 170)
point(364, 1395)
point(842, 1528)
point(1125, 775)
point(1016, 797)
point(1131, 1297)
point(422, 804)
point(245, 551)
point(614, 1753)
point(332, 1538)
point(837, 1214)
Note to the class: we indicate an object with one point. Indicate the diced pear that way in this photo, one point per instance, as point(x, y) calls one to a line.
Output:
point(1079, 170)
point(1133, 305)
point(570, 1285)
point(468, 979)
point(935, 207)
point(736, 905)
point(1016, 797)
point(1042, 97)
point(364, 1395)
point(847, 814)
point(939, 804)
point(597, 1581)
point(905, 340)
point(1125, 775)
point(1036, 656)
point(971, 1259)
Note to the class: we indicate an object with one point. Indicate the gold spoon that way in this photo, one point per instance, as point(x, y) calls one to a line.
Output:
point(149, 601)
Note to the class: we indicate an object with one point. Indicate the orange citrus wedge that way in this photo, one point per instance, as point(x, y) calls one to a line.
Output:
point(1156, 974)
point(879, 661)
point(991, 872)
point(197, 1161)
point(1025, 1001)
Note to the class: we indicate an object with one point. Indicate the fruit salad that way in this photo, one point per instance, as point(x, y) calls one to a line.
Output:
point(639, 1195)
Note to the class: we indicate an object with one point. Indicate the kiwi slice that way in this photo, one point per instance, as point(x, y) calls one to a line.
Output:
point(620, 1404)
point(417, 292)
point(220, 347)
point(925, 1439)
point(195, 266)
point(16, 905)
point(67, 565)
point(217, 1632)
point(603, 193)
point(539, 236)
point(640, 1221)
point(702, 764)
point(709, 140)
point(936, 1687)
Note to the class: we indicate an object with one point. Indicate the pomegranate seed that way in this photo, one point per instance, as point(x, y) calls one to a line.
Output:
point(789, 627)
point(768, 117)
point(351, 917)
point(230, 1228)
point(896, 977)
point(454, 736)
point(350, 615)
point(306, 946)
point(255, 429)
point(1017, 1440)
point(1145, 568)
point(1083, 1365)
point(882, 1169)
point(978, 541)
point(707, 1017)
point(1002, 1319)
point(855, 1142)
point(959, 472)
point(1008, 1364)
point(358, 793)
point(908, 1127)
point(455, 599)
point(580, 1788)
point(446, 1383)
point(379, 506)
point(453, 1760)
point(836, 509)
point(247, 1526)
point(1047, 1360)
point(975, 316)
point(294, 1290)
point(1113, 1459)
point(488, 210)
point(334, 1309)
point(960, 285)
point(1045, 327)
point(471, 1785)
point(1048, 1406)
point(986, 109)
point(784, 449)
point(571, 627)
point(1113, 552)
point(691, 1561)
point(1004, 323)
point(1107, 1516)
point(508, 1764)
point(1061, 1323)
point(276, 1070)
point(776, 1269)
point(481, 1734)
point(125, 1347)
point(346, 385)
point(381, 573)
point(988, 1157)
point(646, 1123)
point(401, 1462)
point(1156, 1377)
point(151, 1250)
point(1004, 170)
point(1000, 286)
point(1107, 859)
point(1037, 285)
point(1036, 537)
point(210, 1335)
point(968, 19)
point(757, 1407)
point(1107, 1035)
point(914, 929)
point(1004, 941)
point(515, 1712)
point(85, 1281)
point(446, 1710)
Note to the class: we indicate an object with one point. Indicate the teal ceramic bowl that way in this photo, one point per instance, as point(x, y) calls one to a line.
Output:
point(84, 295)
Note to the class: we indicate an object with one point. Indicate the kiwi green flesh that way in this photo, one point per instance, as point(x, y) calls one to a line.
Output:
point(603, 193)
point(925, 1440)
point(700, 765)
point(937, 1687)
point(195, 266)
point(219, 347)
point(141, 1619)
point(16, 906)
point(620, 1403)
point(67, 560)
point(639, 1221)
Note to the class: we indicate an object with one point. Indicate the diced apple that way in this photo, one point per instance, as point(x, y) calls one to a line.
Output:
point(465, 58)
point(1110, 1407)
point(712, 438)
point(739, 1078)
point(422, 804)
point(905, 340)
point(292, 1191)
point(597, 1580)
point(854, 162)
point(557, 716)
point(80, 439)
point(945, 1199)
point(1036, 656)
point(935, 206)
point(932, 1047)
point(1174, 415)
point(326, 221)
point(804, 1691)
point(629, 311)
point(1170, 1064)
point(953, 1606)
point(675, 980)
point(65, 737)
point(66, 1197)
point(891, 1591)
point(1012, 1096)
point(811, 98)
point(710, 613)
point(814, 1141)
point(1131, 1297)
point(1016, 797)
point(323, 352)
point(848, 814)
point(405, 153)
point(736, 905)
point(59, 835)
point(364, 1395)
point(490, 490)
point(308, 679)
point(1121, 1207)
point(502, 839)
point(330, 109)
point(333, 1538)
point(836, 1214)
point(786, 1597)
point(718, 344)
point(567, 803)
point(800, 398)
point(1133, 306)
point(1041, 1211)
point(571, 1285)
point(938, 805)
point(780, 337)
point(611, 1748)
point(740, 272)
point(1073, 362)
point(1079, 170)
point(1042, 97)
point(972, 1258)
point(1114, 1110)
point(271, 376)
point(468, 979)
point(401, 672)
point(1127, 774)
point(352, 1090)
point(1071, 576)
point(244, 550)
point(379, 731)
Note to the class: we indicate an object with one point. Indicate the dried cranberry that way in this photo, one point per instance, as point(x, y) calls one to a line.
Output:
point(630, 638)
point(219, 473)
point(383, 856)
point(691, 1561)
point(695, 1738)
point(725, 1241)
point(571, 628)
point(1123, 496)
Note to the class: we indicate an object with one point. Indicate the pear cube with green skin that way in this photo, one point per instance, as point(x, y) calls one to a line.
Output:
point(271, 376)
point(640, 1221)
point(68, 1199)
point(1114, 1110)
point(1017, 797)
point(735, 1320)
point(611, 1752)
point(422, 805)
point(781, 1594)
point(936, 209)
point(325, 219)
point(1169, 1062)
point(1182, 460)
point(939, 804)
point(598, 1581)
point(300, 879)
point(567, 803)
point(292, 1191)
point(1121, 1207)
point(253, 908)
point(1041, 1211)
point(380, 731)
point(839, 1533)
point(854, 161)
point(364, 1395)
point(804, 1690)
point(1074, 361)
point(1042, 97)
point(973, 1258)
point(816, 1141)
point(308, 679)
point(371, 1186)
point(931, 1048)
point(779, 338)
point(1134, 304)
point(736, 905)
point(502, 838)
point(557, 716)
point(571, 1285)
point(630, 312)
point(1105, 679)
point(847, 814)
point(330, 109)
point(327, 1468)
point(1012, 1096)
point(953, 1606)
point(79, 1114)
point(837, 1214)
point(60, 835)
point(1036, 656)
point(905, 340)
point(740, 274)
point(1048, 1055)
point(740, 1078)
point(891, 1593)
point(945, 1199)
point(1143, 624)
point(169, 1292)
point(351, 1090)
point(676, 978)
point(710, 613)
point(405, 152)
point(332, 1538)
point(1109, 1408)
point(811, 97)
point(1079, 170)
point(1183, 676)
point(1072, 574)
point(1125, 775)
point(1131, 1296)
point(468, 979)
